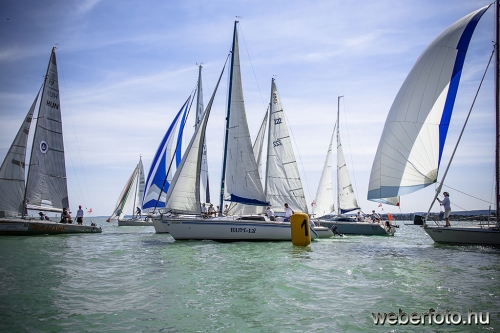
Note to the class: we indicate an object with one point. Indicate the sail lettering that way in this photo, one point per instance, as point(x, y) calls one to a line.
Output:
point(277, 121)
point(277, 143)
point(53, 105)
point(53, 94)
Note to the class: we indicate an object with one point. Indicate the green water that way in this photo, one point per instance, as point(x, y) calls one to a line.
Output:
point(129, 279)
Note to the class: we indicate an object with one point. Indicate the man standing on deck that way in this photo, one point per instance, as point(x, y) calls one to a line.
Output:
point(79, 215)
point(288, 213)
point(447, 207)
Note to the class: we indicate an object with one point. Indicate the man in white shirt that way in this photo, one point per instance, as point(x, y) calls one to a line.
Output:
point(203, 210)
point(375, 216)
point(270, 213)
point(288, 213)
point(447, 207)
point(79, 215)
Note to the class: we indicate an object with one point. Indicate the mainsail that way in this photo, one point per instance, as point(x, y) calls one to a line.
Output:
point(323, 203)
point(158, 180)
point(283, 184)
point(12, 171)
point(46, 187)
point(411, 145)
point(204, 183)
point(240, 176)
point(346, 197)
point(124, 198)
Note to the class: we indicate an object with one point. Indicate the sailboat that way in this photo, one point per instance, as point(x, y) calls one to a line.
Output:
point(45, 189)
point(240, 181)
point(346, 199)
point(134, 189)
point(166, 162)
point(410, 149)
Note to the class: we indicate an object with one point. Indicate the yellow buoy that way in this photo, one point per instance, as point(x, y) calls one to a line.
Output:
point(301, 233)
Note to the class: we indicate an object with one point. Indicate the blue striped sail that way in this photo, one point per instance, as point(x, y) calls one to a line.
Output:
point(411, 146)
point(163, 168)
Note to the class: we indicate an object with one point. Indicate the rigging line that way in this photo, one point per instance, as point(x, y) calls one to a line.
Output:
point(461, 133)
point(469, 195)
point(78, 150)
point(251, 64)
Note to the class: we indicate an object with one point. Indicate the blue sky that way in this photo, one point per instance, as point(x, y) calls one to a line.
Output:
point(126, 67)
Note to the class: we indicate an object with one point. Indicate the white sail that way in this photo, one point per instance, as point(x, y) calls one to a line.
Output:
point(241, 182)
point(46, 187)
point(258, 145)
point(126, 195)
point(346, 198)
point(12, 171)
point(323, 202)
point(283, 184)
point(140, 185)
point(412, 141)
point(183, 195)
point(204, 183)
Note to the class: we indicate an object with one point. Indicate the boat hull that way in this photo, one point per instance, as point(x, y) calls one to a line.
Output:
point(20, 227)
point(135, 223)
point(359, 228)
point(469, 235)
point(160, 225)
point(323, 232)
point(229, 230)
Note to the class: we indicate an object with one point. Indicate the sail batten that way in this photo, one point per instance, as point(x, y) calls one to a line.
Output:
point(413, 138)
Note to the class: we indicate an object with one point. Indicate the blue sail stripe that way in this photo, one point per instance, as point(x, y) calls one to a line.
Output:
point(178, 154)
point(247, 201)
point(160, 164)
point(462, 46)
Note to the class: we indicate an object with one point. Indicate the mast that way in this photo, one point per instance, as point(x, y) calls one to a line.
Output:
point(269, 136)
point(338, 133)
point(223, 178)
point(497, 110)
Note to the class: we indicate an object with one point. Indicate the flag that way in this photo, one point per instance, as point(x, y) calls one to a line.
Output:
point(313, 203)
point(89, 211)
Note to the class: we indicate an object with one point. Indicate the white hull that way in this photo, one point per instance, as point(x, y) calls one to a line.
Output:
point(17, 226)
point(359, 228)
point(473, 235)
point(229, 229)
point(160, 225)
point(323, 232)
point(135, 222)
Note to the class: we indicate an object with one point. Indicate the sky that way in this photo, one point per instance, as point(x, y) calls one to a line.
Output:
point(126, 67)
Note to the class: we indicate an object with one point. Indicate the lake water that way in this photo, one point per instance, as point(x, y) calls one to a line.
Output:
point(129, 279)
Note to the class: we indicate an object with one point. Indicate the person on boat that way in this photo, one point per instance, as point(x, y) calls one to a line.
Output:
point(447, 207)
point(288, 212)
point(270, 213)
point(375, 216)
point(226, 210)
point(359, 218)
point(204, 210)
point(211, 210)
point(138, 212)
point(79, 215)
point(43, 216)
